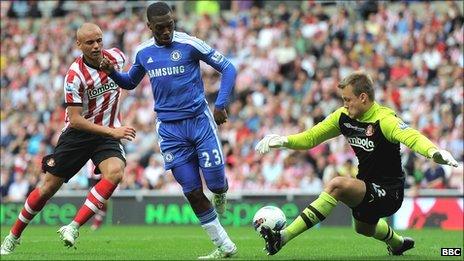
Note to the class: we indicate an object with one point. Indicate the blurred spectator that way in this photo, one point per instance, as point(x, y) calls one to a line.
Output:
point(154, 171)
point(17, 191)
point(348, 169)
point(455, 179)
point(434, 176)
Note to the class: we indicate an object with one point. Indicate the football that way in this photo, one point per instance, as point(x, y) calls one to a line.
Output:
point(270, 216)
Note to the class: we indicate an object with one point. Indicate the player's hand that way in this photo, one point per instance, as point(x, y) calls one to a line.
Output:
point(220, 116)
point(106, 65)
point(270, 141)
point(123, 132)
point(445, 158)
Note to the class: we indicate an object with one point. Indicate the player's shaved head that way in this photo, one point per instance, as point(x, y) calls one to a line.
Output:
point(86, 30)
point(89, 38)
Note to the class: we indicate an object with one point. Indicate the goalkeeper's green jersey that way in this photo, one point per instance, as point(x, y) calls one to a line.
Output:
point(375, 138)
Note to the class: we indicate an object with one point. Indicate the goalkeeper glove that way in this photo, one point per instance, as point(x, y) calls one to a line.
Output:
point(444, 157)
point(270, 141)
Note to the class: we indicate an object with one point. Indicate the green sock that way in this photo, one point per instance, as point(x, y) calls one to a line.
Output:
point(385, 233)
point(317, 211)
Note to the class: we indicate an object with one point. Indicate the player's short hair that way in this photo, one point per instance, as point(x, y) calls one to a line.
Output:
point(361, 82)
point(158, 9)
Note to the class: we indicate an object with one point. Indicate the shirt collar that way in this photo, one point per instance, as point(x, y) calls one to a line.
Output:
point(369, 113)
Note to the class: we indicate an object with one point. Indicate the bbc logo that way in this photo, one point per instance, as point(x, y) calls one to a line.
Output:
point(451, 251)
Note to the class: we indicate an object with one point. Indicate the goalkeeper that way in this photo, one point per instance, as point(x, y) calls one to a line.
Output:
point(374, 133)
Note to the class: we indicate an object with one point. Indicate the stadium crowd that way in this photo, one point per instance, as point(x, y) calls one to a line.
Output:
point(289, 60)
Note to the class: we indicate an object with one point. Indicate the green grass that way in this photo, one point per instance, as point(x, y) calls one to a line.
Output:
point(189, 242)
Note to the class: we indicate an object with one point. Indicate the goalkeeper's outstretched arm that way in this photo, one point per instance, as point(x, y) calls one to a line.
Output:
point(326, 129)
point(395, 130)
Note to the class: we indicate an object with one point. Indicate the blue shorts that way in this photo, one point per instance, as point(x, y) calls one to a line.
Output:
point(180, 141)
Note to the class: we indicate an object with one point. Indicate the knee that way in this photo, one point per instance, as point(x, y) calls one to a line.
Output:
point(196, 196)
point(215, 180)
point(368, 232)
point(337, 185)
point(198, 200)
point(114, 173)
point(219, 190)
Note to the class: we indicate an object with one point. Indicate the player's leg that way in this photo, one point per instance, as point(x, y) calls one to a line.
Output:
point(112, 170)
point(180, 156)
point(69, 156)
point(381, 201)
point(108, 156)
point(188, 176)
point(348, 190)
point(33, 205)
point(216, 182)
point(211, 158)
point(383, 232)
point(99, 217)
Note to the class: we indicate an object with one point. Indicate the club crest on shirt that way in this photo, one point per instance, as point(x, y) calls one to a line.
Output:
point(175, 55)
point(168, 157)
point(51, 162)
point(369, 130)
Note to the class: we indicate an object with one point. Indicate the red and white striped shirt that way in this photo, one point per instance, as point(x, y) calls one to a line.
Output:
point(92, 89)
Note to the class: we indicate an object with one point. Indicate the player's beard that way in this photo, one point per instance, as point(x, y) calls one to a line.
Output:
point(94, 58)
point(97, 55)
point(164, 40)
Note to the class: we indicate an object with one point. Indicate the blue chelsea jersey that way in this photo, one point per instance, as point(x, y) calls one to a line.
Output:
point(175, 75)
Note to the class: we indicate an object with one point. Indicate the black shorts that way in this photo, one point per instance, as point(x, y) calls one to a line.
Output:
point(380, 200)
point(75, 148)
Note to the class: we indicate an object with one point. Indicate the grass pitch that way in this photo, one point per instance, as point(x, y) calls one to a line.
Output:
point(188, 242)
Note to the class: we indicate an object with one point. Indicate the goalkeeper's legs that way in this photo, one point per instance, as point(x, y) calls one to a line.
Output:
point(348, 190)
point(33, 205)
point(381, 200)
point(396, 244)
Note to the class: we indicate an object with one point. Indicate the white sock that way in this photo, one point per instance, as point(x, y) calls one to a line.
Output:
point(218, 235)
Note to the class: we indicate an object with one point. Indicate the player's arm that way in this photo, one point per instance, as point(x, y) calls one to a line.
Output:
point(395, 130)
point(228, 74)
point(73, 91)
point(126, 80)
point(78, 122)
point(324, 130)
